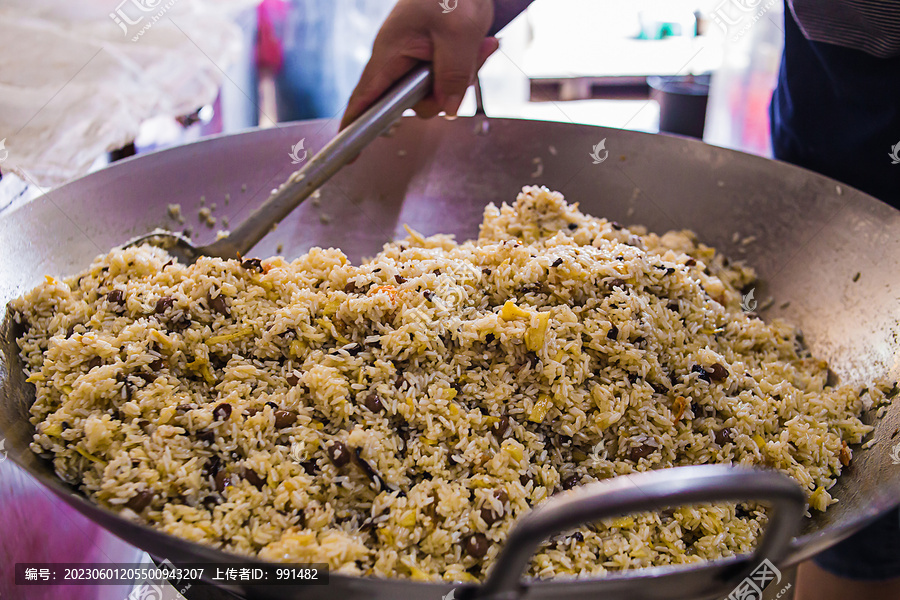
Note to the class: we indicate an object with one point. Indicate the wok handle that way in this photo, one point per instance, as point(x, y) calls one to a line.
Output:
point(346, 145)
point(641, 492)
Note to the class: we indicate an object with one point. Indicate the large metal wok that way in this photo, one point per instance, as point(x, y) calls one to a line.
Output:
point(812, 237)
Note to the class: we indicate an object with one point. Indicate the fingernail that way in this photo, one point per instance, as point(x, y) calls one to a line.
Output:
point(453, 103)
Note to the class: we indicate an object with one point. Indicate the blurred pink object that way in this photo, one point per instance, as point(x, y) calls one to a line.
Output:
point(39, 527)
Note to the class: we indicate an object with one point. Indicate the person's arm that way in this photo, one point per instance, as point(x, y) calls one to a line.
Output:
point(421, 30)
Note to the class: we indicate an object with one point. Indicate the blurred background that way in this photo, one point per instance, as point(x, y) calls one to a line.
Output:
point(83, 84)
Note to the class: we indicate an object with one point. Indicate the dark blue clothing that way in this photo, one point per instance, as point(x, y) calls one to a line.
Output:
point(836, 111)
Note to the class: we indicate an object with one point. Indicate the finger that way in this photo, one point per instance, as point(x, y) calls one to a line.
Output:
point(488, 46)
point(455, 61)
point(380, 73)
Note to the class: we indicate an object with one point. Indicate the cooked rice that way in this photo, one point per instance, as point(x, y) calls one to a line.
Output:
point(466, 382)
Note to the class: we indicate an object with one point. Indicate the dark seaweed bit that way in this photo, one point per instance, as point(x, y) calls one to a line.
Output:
point(254, 479)
point(292, 380)
point(94, 362)
point(369, 471)
point(212, 465)
point(164, 304)
point(218, 304)
point(557, 262)
point(252, 263)
point(116, 297)
point(222, 480)
point(400, 279)
point(723, 436)
point(701, 373)
point(571, 481)
point(613, 333)
point(222, 411)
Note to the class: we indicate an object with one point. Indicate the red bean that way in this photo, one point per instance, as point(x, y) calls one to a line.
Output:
point(718, 372)
point(477, 545)
point(284, 418)
point(140, 501)
point(222, 412)
point(373, 403)
point(339, 454)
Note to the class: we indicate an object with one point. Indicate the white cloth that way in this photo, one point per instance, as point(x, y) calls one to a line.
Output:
point(75, 84)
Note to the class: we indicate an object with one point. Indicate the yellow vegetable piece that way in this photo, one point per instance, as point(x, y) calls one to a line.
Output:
point(35, 377)
point(408, 519)
point(540, 410)
point(302, 538)
point(417, 574)
point(86, 454)
point(534, 336)
point(297, 348)
point(54, 430)
point(513, 448)
point(622, 522)
point(760, 441)
point(67, 389)
point(510, 311)
point(227, 337)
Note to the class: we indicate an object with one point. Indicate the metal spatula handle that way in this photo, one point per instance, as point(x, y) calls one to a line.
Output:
point(653, 490)
point(345, 146)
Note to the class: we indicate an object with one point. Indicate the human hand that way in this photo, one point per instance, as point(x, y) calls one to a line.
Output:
point(418, 30)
